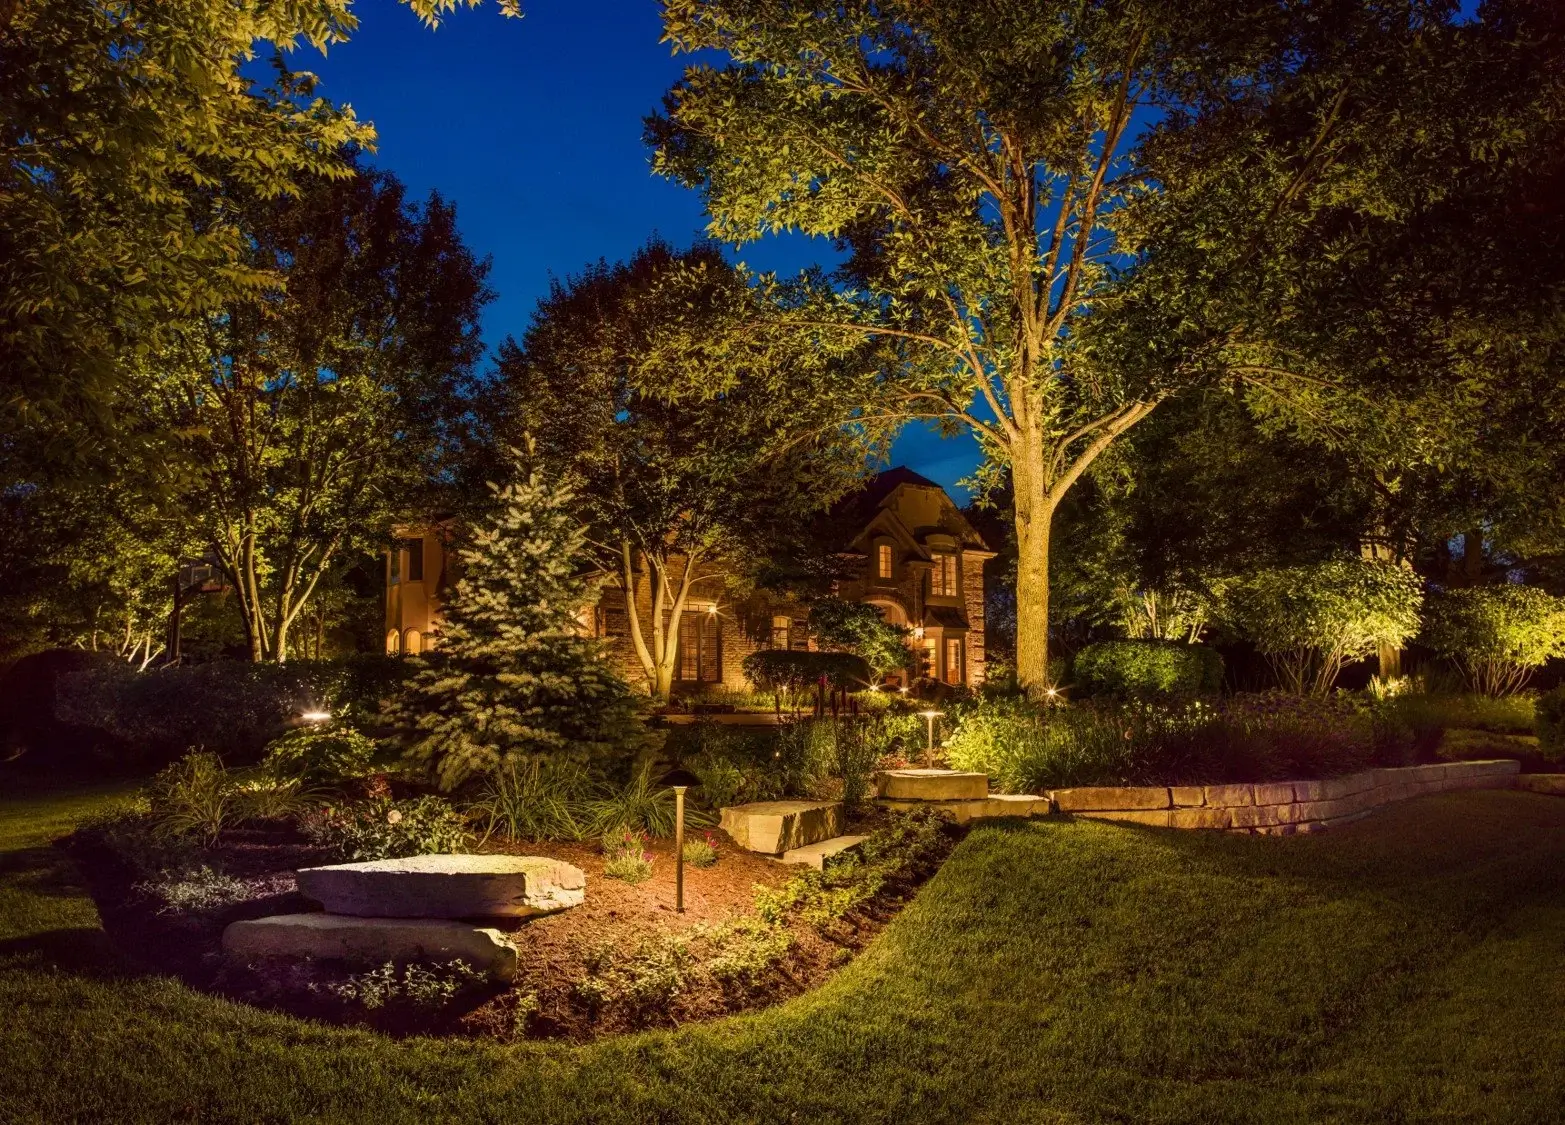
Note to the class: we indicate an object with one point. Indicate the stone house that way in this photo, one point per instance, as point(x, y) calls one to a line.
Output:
point(907, 550)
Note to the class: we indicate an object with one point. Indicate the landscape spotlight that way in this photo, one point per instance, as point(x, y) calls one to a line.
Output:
point(315, 716)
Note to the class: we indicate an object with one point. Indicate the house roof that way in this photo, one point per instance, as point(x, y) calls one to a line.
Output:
point(864, 507)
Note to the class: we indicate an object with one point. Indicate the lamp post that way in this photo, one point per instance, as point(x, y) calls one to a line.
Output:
point(680, 780)
point(929, 748)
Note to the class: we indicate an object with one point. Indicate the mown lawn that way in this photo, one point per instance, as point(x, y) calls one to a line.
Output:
point(1408, 968)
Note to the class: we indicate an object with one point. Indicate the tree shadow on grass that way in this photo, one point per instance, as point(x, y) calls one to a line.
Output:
point(42, 871)
point(80, 950)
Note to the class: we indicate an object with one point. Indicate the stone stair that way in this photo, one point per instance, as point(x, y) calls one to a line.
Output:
point(775, 827)
point(964, 796)
point(820, 855)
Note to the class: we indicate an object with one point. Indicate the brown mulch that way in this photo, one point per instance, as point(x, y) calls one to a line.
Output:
point(557, 953)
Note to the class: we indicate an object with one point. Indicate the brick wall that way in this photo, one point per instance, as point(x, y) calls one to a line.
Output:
point(973, 598)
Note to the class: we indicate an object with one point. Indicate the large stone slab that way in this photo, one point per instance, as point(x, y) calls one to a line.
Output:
point(997, 804)
point(774, 827)
point(338, 937)
point(931, 785)
point(820, 856)
point(447, 886)
point(1111, 798)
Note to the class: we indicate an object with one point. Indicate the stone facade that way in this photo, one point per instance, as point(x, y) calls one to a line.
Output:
point(900, 522)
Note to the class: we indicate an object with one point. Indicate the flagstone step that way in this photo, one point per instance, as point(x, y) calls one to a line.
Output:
point(998, 804)
point(774, 827)
point(820, 854)
point(931, 785)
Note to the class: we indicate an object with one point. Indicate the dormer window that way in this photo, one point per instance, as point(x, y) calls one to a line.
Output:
point(883, 560)
point(942, 578)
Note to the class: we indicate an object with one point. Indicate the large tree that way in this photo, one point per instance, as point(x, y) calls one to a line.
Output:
point(690, 493)
point(290, 430)
point(979, 167)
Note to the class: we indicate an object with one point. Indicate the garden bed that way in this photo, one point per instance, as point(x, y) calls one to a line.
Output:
point(754, 932)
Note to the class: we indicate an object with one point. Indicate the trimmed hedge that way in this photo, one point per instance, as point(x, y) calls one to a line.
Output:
point(773, 669)
point(1145, 668)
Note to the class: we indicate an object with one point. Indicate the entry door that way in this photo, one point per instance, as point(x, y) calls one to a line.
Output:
point(700, 655)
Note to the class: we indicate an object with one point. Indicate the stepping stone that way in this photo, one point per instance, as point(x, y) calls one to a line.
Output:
point(998, 804)
point(931, 785)
point(774, 827)
point(447, 886)
point(336, 937)
point(820, 855)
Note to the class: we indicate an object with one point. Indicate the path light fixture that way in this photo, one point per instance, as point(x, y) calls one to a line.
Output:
point(680, 780)
point(929, 748)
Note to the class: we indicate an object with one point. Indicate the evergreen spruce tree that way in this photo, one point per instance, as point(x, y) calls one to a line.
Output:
point(512, 676)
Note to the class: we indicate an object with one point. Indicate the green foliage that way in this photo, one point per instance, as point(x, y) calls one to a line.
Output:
point(266, 796)
point(1551, 724)
point(320, 753)
point(1499, 635)
point(1146, 668)
point(1312, 620)
point(669, 484)
point(642, 804)
point(625, 856)
point(383, 828)
point(233, 706)
point(513, 677)
point(195, 891)
point(858, 627)
point(1027, 748)
point(193, 797)
point(700, 852)
point(537, 799)
point(426, 988)
point(794, 674)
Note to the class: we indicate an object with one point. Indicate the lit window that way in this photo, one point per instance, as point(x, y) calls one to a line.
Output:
point(942, 580)
point(883, 561)
point(780, 627)
point(953, 660)
point(412, 642)
point(393, 642)
point(700, 647)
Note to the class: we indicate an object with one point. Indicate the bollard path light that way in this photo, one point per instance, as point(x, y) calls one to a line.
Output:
point(929, 748)
point(680, 780)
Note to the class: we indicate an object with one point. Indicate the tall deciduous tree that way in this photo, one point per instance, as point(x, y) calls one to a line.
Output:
point(978, 165)
point(297, 426)
point(688, 492)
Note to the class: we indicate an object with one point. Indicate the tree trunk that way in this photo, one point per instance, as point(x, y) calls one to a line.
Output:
point(1034, 517)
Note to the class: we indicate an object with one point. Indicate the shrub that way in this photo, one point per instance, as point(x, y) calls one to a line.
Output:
point(1551, 724)
point(268, 797)
point(793, 675)
point(424, 987)
point(202, 889)
point(383, 828)
point(700, 852)
point(644, 803)
point(1026, 748)
point(320, 753)
point(233, 706)
point(1142, 669)
point(537, 799)
point(625, 856)
point(1497, 635)
point(1311, 621)
point(194, 796)
point(858, 628)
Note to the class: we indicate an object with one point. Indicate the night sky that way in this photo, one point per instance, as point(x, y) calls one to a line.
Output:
point(532, 127)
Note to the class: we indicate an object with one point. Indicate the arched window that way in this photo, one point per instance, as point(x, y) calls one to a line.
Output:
point(412, 642)
point(393, 642)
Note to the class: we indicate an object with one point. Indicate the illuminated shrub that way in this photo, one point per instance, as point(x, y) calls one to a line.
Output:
point(1143, 669)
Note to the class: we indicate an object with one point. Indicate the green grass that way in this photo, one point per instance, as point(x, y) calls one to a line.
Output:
point(1404, 969)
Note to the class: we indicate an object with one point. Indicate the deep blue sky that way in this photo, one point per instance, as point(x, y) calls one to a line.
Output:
point(533, 128)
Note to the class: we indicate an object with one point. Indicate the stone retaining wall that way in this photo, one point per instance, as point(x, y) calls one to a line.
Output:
point(1280, 808)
